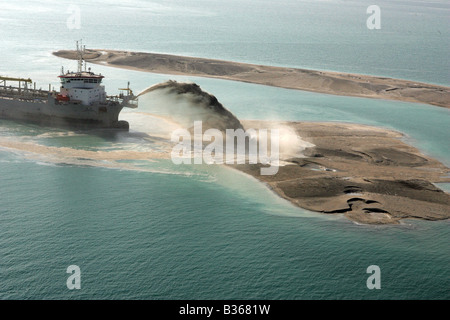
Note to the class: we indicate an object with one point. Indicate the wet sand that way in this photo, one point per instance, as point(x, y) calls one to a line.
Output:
point(336, 83)
point(366, 173)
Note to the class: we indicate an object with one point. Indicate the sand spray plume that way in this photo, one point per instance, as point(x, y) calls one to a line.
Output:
point(185, 103)
point(291, 144)
point(198, 112)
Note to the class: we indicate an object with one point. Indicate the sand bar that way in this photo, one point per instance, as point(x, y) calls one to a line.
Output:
point(336, 83)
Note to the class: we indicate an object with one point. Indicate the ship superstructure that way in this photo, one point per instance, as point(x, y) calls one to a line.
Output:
point(81, 100)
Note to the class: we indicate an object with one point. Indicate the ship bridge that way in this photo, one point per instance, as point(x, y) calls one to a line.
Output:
point(80, 80)
point(83, 85)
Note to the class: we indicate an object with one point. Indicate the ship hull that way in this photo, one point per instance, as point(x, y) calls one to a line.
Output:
point(63, 114)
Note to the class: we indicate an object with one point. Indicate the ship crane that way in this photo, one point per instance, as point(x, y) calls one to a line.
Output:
point(15, 79)
point(129, 91)
point(20, 80)
point(128, 100)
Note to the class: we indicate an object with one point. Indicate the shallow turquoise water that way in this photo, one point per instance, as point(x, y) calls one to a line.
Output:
point(207, 232)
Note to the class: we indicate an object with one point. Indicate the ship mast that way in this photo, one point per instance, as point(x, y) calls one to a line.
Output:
point(80, 52)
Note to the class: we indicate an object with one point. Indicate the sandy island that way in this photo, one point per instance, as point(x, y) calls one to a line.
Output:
point(366, 173)
point(336, 83)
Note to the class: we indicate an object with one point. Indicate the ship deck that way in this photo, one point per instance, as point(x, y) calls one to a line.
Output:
point(25, 94)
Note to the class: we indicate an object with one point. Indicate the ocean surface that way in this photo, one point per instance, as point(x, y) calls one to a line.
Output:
point(150, 229)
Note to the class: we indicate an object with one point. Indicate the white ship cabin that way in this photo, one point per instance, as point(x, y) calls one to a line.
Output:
point(83, 87)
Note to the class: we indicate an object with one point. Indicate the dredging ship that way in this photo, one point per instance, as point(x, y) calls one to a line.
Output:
point(80, 102)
